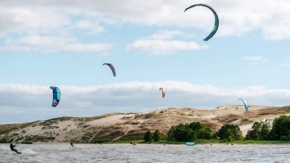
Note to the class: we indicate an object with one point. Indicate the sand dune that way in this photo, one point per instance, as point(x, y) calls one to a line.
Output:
point(121, 126)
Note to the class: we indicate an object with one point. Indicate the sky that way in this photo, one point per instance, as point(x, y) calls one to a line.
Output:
point(151, 44)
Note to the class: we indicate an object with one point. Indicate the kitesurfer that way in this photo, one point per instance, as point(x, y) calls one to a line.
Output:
point(71, 143)
point(12, 148)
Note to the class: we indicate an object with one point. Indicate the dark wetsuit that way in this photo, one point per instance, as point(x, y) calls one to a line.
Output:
point(72, 144)
point(12, 148)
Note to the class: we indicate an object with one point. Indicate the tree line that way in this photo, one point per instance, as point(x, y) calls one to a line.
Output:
point(190, 132)
point(264, 130)
point(279, 130)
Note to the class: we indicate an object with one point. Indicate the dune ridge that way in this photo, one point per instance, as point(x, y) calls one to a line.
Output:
point(120, 126)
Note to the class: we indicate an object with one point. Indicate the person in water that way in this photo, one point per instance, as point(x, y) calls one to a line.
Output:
point(71, 143)
point(12, 148)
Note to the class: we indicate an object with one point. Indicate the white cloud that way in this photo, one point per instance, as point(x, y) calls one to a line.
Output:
point(37, 40)
point(51, 44)
point(89, 25)
point(286, 65)
point(56, 17)
point(30, 102)
point(160, 43)
point(255, 58)
point(87, 47)
point(164, 46)
point(164, 35)
point(24, 20)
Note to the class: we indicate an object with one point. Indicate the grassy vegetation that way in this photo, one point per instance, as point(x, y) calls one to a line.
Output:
point(261, 142)
point(286, 111)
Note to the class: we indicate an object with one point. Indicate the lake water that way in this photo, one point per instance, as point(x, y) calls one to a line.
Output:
point(144, 153)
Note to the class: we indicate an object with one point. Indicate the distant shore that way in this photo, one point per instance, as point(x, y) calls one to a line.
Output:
point(162, 144)
point(198, 142)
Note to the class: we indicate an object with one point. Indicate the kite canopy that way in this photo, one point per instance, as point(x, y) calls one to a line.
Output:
point(56, 95)
point(245, 103)
point(112, 68)
point(163, 92)
point(216, 24)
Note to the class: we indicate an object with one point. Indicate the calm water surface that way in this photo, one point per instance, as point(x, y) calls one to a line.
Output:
point(144, 153)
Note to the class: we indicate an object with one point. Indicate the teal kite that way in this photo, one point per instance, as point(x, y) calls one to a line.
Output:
point(245, 104)
point(216, 24)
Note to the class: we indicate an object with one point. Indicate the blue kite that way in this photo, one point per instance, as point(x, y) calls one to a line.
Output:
point(56, 96)
point(112, 68)
point(245, 103)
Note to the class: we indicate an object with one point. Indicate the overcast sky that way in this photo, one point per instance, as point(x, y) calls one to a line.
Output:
point(152, 44)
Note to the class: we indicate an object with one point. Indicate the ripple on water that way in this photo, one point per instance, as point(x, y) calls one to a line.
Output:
point(145, 153)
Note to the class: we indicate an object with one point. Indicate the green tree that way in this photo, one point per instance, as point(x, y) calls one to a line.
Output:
point(260, 131)
point(157, 135)
point(148, 136)
point(281, 128)
point(265, 130)
point(230, 139)
point(214, 136)
point(205, 133)
point(190, 132)
point(170, 134)
point(195, 126)
point(230, 130)
point(179, 134)
point(226, 141)
point(255, 133)
point(189, 135)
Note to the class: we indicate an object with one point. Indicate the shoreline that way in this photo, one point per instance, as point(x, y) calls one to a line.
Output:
point(153, 144)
